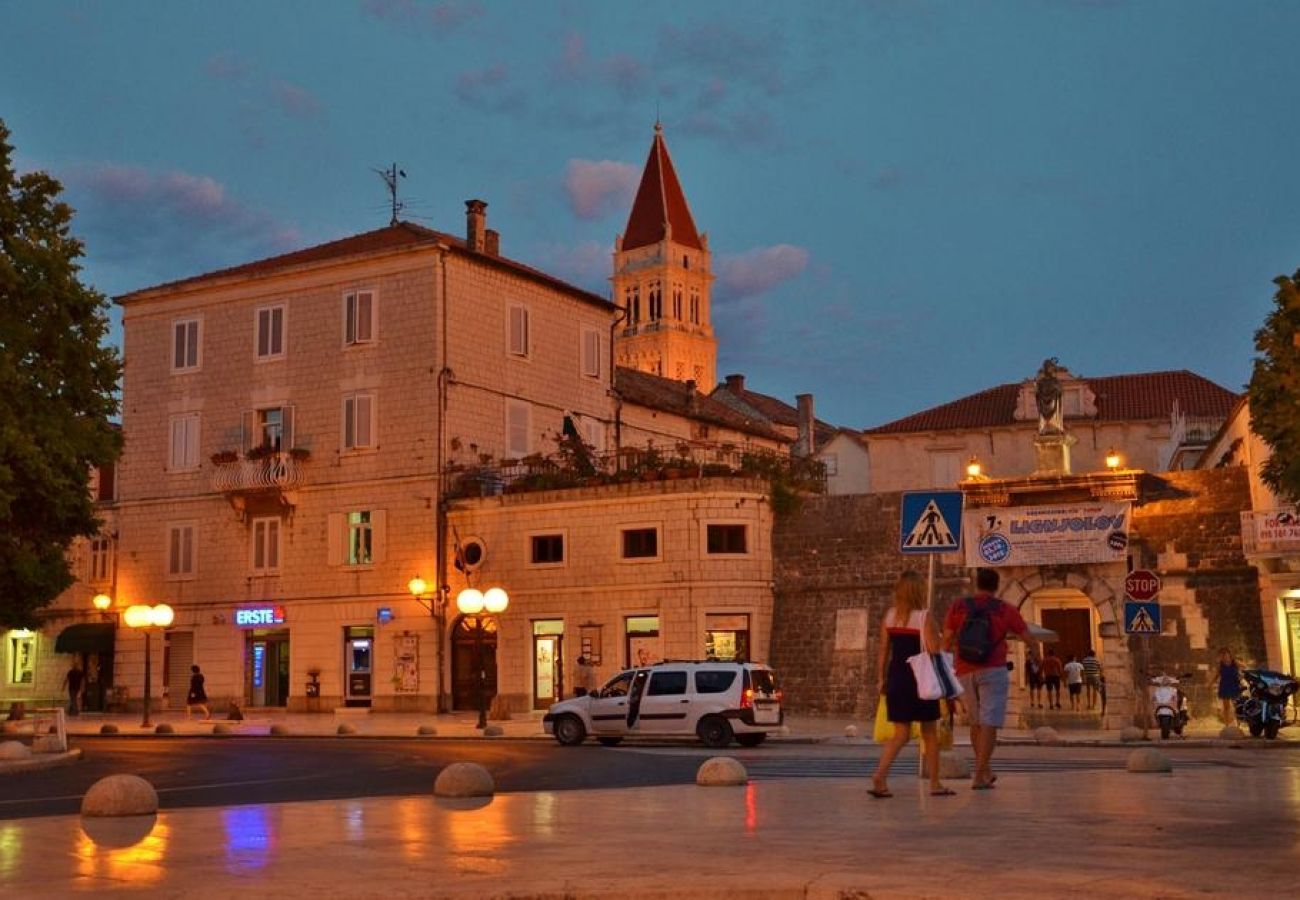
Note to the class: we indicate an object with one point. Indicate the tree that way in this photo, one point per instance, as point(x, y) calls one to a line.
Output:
point(58, 386)
point(1275, 389)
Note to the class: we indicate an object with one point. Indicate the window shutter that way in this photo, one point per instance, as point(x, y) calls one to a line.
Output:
point(277, 330)
point(248, 429)
point(365, 421)
point(378, 535)
point(273, 544)
point(191, 442)
point(591, 353)
point(178, 345)
point(519, 330)
point(173, 551)
point(177, 452)
point(187, 549)
point(286, 428)
point(349, 422)
point(517, 427)
point(334, 539)
point(365, 316)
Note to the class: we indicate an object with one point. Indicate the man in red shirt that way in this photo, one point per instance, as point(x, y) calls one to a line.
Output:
point(986, 681)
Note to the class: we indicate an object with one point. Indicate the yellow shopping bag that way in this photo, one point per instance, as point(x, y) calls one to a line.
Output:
point(884, 729)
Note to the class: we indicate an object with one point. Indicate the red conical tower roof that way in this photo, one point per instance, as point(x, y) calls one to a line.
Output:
point(659, 203)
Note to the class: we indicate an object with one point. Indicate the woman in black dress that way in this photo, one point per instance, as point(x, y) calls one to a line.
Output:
point(905, 627)
point(198, 695)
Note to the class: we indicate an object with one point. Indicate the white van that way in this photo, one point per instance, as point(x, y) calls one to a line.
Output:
point(715, 701)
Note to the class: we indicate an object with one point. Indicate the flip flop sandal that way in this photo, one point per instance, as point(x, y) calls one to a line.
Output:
point(943, 792)
point(984, 786)
point(879, 795)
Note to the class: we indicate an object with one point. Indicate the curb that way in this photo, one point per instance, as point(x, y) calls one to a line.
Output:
point(42, 762)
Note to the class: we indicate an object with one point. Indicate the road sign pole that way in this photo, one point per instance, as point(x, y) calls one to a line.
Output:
point(929, 586)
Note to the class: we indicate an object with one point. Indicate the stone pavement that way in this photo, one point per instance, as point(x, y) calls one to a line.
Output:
point(1205, 831)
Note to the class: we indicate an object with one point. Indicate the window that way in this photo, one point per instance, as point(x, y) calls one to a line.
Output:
point(713, 682)
point(518, 331)
point(618, 686)
point(547, 549)
point(22, 657)
point(593, 432)
point(266, 545)
point(666, 684)
point(180, 551)
point(470, 555)
point(358, 422)
point(945, 468)
point(831, 463)
point(270, 332)
point(101, 560)
point(726, 636)
point(633, 304)
point(695, 306)
point(358, 317)
point(677, 302)
point(726, 539)
point(591, 352)
point(640, 543)
point(656, 302)
point(361, 538)
point(186, 335)
point(184, 453)
point(518, 429)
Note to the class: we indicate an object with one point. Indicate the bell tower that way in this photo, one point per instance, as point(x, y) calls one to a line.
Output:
point(662, 281)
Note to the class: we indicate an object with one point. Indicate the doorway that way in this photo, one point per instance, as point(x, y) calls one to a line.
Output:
point(358, 665)
point(266, 669)
point(464, 672)
point(548, 662)
point(1074, 627)
point(178, 656)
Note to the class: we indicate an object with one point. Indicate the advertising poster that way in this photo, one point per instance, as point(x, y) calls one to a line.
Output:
point(1059, 534)
point(406, 663)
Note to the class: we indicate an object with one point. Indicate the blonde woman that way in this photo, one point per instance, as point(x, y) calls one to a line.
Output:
point(907, 628)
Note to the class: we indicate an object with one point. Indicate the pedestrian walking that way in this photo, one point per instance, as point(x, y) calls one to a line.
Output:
point(1092, 677)
point(198, 695)
point(1074, 681)
point(977, 628)
point(585, 680)
point(73, 682)
point(906, 630)
point(1228, 681)
point(1034, 679)
point(1052, 672)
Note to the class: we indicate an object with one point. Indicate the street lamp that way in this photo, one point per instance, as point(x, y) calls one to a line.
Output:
point(473, 602)
point(102, 602)
point(145, 619)
point(1112, 459)
point(973, 468)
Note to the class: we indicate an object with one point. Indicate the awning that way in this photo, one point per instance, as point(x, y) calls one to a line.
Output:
point(87, 637)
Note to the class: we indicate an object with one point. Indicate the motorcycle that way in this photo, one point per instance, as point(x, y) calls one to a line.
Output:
point(1263, 707)
point(1170, 705)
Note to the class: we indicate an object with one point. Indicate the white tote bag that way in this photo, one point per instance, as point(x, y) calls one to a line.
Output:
point(935, 677)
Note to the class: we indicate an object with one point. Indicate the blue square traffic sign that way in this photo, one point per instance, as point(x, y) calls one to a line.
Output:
point(1142, 617)
point(931, 522)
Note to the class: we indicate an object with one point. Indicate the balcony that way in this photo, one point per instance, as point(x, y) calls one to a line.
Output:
point(266, 479)
point(1270, 532)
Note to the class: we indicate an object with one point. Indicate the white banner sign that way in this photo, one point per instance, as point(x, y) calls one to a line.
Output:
point(1046, 535)
point(1277, 529)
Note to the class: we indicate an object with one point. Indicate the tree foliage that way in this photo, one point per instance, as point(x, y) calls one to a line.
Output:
point(1275, 389)
point(57, 392)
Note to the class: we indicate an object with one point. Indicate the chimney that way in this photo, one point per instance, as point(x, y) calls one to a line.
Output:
point(736, 384)
point(492, 242)
point(475, 225)
point(806, 444)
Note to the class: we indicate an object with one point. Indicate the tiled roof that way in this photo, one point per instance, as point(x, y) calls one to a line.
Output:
point(659, 200)
point(681, 398)
point(1120, 398)
point(765, 406)
point(393, 238)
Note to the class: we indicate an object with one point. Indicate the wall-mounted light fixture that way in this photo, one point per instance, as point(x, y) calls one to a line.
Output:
point(1112, 459)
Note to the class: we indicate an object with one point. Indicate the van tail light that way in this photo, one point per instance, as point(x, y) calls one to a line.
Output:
point(747, 699)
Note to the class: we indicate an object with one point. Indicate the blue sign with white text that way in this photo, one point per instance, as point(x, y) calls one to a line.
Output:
point(931, 522)
point(1142, 617)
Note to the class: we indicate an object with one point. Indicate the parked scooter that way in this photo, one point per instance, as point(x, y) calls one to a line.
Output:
point(1263, 707)
point(1170, 704)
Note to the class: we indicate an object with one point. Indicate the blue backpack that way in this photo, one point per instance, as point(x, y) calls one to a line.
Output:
point(975, 641)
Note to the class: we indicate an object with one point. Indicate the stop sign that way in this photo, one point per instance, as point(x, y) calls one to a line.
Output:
point(1142, 584)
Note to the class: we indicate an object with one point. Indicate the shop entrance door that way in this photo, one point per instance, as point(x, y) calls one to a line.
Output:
point(267, 668)
point(359, 654)
point(1074, 626)
point(464, 673)
point(548, 656)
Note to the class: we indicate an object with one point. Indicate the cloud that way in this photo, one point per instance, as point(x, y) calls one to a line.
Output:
point(597, 188)
point(227, 67)
point(490, 89)
point(296, 102)
point(159, 226)
point(261, 94)
point(628, 76)
point(759, 270)
point(431, 18)
point(727, 51)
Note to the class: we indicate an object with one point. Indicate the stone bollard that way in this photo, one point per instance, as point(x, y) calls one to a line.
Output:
point(951, 765)
point(850, 731)
point(1148, 759)
point(222, 729)
point(426, 731)
point(493, 731)
point(120, 795)
point(464, 780)
point(164, 728)
point(1131, 734)
point(280, 730)
point(1047, 735)
point(110, 728)
point(10, 750)
point(346, 728)
point(1232, 733)
point(721, 771)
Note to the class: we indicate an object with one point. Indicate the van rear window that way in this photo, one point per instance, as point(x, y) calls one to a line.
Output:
point(713, 682)
point(667, 683)
point(764, 680)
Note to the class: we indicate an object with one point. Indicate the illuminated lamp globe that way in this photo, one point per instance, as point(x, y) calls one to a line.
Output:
point(470, 602)
point(138, 617)
point(162, 615)
point(973, 468)
point(102, 602)
point(1112, 458)
point(417, 586)
point(496, 600)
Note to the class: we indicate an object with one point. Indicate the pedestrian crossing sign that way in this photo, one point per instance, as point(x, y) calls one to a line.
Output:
point(1141, 618)
point(931, 522)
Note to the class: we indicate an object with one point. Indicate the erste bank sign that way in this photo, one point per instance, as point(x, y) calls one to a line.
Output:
point(258, 616)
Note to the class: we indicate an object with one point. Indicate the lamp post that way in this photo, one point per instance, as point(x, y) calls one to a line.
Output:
point(146, 619)
point(1112, 459)
point(473, 602)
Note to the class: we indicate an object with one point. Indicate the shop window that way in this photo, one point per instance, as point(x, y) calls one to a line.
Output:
point(22, 657)
point(644, 646)
point(726, 539)
point(726, 636)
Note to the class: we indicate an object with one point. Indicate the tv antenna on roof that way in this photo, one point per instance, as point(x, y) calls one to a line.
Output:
point(390, 176)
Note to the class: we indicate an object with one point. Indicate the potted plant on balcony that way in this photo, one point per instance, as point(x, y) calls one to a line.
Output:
point(224, 457)
point(300, 454)
point(261, 451)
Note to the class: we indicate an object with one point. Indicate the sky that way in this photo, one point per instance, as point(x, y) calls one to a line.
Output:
point(907, 201)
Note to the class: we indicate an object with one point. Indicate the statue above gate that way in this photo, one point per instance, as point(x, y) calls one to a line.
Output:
point(1047, 396)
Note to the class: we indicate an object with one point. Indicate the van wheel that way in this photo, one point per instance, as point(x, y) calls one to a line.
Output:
point(570, 731)
point(751, 740)
point(714, 731)
point(610, 741)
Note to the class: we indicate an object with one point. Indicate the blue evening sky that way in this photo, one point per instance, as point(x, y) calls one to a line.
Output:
point(907, 201)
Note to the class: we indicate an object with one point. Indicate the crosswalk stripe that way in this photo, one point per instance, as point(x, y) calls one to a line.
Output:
point(860, 768)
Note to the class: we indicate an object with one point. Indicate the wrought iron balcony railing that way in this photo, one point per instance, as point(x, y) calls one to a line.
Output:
point(273, 472)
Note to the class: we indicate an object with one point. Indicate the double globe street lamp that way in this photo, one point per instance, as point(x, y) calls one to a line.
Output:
point(473, 602)
point(146, 619)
